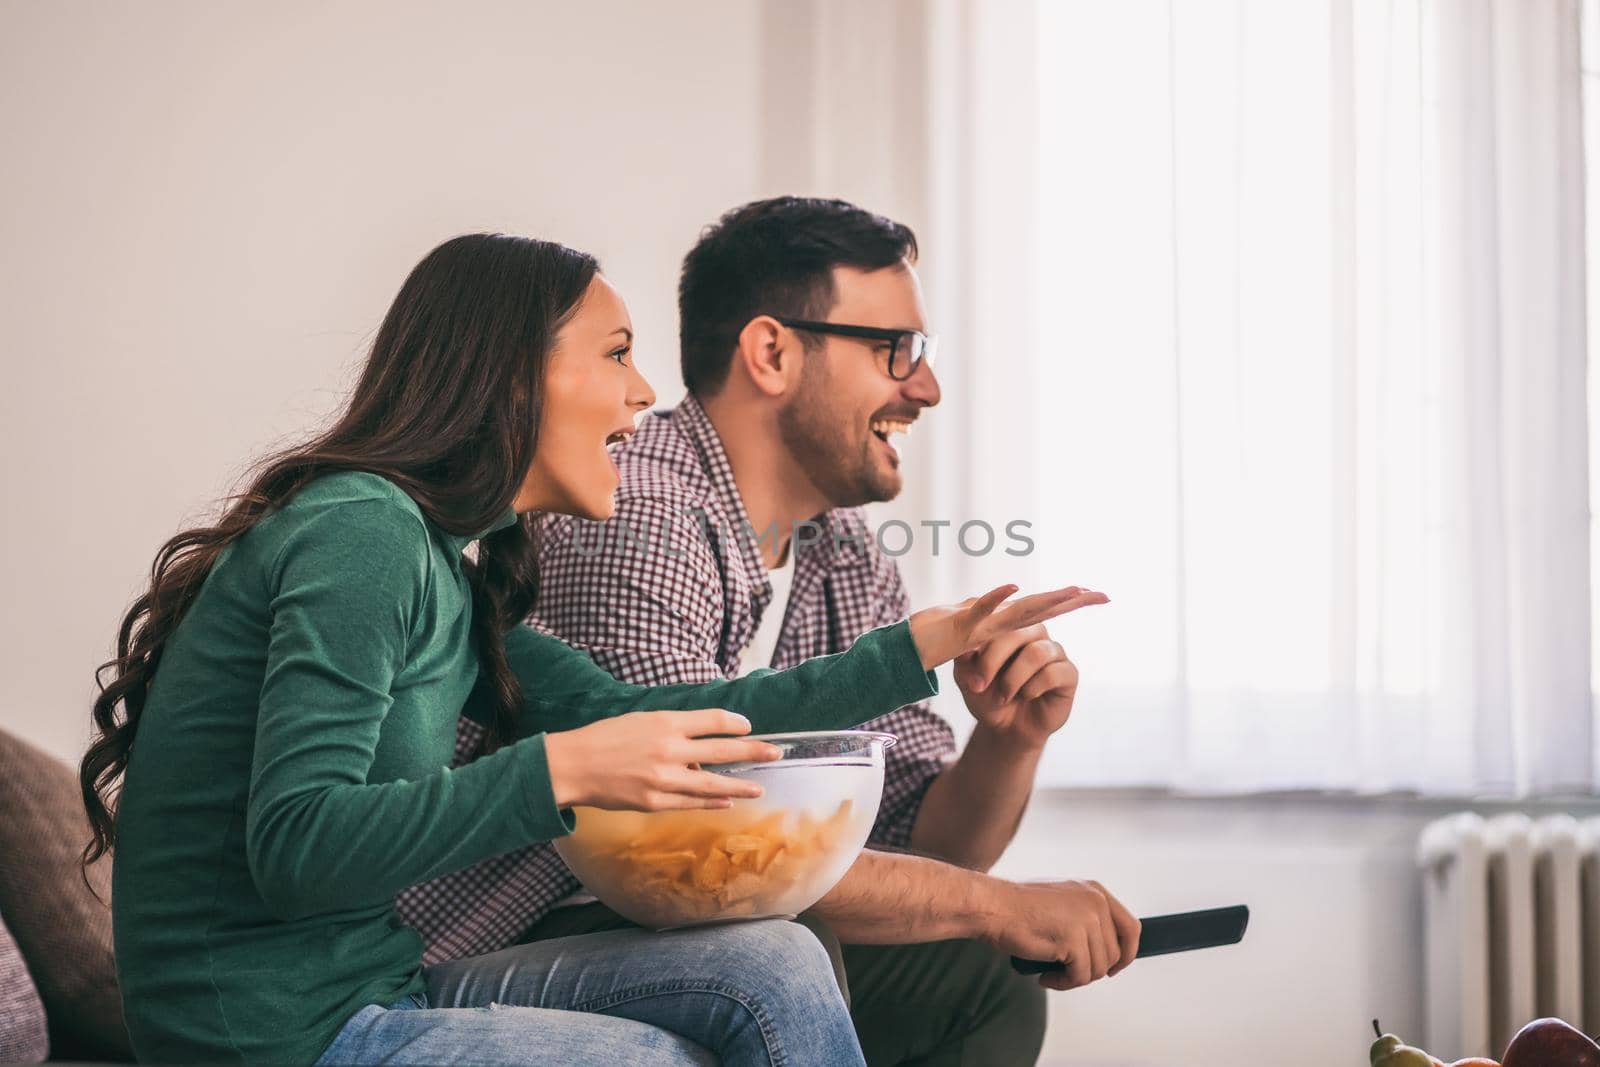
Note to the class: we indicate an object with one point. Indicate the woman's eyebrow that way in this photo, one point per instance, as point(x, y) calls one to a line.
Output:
point(626, 331)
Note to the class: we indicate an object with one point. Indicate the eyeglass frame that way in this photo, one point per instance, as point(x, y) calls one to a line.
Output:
point(930, 342)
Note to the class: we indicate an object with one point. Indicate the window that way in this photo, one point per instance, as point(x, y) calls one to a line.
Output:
point(1334, 501)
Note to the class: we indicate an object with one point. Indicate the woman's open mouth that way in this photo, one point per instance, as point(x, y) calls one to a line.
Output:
point(615, 440)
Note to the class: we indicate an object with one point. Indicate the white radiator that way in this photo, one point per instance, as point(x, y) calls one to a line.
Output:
point(1511, 907)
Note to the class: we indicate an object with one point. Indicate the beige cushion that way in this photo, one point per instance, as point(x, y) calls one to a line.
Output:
point(63, 931)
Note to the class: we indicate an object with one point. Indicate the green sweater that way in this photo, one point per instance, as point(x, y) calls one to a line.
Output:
point(290, 773)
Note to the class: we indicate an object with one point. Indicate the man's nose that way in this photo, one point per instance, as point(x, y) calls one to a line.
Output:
point(922, 387)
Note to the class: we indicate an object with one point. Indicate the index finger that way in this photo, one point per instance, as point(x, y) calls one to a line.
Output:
point(706, 721)
point(998, 650)
point(713, 751)
point(984, 606)
point(1021, 613)
point(1041, 607)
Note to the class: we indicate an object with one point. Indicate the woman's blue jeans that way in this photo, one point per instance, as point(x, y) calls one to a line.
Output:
point(748, 993)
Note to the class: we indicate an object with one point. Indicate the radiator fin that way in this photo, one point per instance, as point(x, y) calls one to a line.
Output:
point(1512, 927)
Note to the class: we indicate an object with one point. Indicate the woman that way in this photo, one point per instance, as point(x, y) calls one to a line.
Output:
point(289, 689)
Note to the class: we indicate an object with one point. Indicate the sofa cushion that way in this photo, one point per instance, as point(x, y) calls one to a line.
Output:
point(22, 1024)
point(63, 931)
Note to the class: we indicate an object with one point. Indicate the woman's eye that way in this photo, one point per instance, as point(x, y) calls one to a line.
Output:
point(620, 355)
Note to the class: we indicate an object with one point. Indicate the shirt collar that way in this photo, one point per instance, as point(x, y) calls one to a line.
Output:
point(696, 426)
point(842, 529)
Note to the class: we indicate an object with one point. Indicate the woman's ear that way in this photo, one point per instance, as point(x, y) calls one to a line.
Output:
point(769, 354)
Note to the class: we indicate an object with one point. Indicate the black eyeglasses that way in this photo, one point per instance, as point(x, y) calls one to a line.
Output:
point(908, 349)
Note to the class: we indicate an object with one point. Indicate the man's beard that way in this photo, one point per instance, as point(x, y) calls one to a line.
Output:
point(831, 452)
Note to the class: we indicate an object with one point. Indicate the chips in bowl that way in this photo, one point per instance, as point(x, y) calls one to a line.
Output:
point(772, 856)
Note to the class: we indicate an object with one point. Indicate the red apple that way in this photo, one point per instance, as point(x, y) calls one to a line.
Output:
point(1551, 1043)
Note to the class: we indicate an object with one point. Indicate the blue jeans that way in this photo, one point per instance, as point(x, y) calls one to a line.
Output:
point(760, 993)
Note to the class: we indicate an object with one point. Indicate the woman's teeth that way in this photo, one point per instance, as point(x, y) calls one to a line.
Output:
point(615, 439)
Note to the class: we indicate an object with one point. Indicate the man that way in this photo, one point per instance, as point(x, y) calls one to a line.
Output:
point(737, 544)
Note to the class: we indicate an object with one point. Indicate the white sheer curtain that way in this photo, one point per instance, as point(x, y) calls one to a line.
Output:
point(1309, 392)
point(1269, 316)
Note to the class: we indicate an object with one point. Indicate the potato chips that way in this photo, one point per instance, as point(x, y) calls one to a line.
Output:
point(679, 867)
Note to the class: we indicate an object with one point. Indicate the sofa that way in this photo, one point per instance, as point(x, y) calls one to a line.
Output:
point(58, 980)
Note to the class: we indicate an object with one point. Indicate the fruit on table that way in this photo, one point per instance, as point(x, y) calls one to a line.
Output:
point(1551, 1043)
point(1390, 1051)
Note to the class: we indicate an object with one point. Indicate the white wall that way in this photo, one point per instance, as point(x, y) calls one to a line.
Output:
point(1335, 936)
point(205, 210)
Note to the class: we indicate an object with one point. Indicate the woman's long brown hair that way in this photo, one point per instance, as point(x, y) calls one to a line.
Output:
point(447, 408)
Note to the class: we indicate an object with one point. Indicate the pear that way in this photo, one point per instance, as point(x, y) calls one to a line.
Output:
point(1390, 1051)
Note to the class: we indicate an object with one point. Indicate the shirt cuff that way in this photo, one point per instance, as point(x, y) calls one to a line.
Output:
point(905, 665)
point(546, 821)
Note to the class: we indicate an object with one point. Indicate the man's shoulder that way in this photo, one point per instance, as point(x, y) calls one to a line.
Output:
point(861, 560)
point(854, 527)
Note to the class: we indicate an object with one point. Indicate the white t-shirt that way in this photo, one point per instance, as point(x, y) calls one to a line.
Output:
point(758, 653)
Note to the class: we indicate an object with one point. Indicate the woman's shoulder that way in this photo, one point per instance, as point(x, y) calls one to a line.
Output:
point(353, 507)
point(338, 488)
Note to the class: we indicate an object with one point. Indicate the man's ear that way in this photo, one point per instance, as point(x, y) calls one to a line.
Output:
point(769, 354)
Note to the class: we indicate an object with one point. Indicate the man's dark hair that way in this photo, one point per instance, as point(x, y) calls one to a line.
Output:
point(772, 257)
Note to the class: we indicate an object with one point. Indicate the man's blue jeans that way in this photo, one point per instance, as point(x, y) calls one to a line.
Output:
point(759, 993)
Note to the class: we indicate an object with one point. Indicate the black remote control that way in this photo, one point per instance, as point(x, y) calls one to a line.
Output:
point(1161, 934)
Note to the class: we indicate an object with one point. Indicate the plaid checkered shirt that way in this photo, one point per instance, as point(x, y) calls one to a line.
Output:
point(671, 590)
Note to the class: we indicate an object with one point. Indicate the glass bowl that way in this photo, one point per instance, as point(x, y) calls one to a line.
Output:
point(773, 856)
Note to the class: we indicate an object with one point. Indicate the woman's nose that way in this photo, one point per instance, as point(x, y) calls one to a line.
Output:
point(640, 395)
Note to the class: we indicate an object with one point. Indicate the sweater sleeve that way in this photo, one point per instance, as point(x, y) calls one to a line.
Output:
point(346, 590)
point(564, 689)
